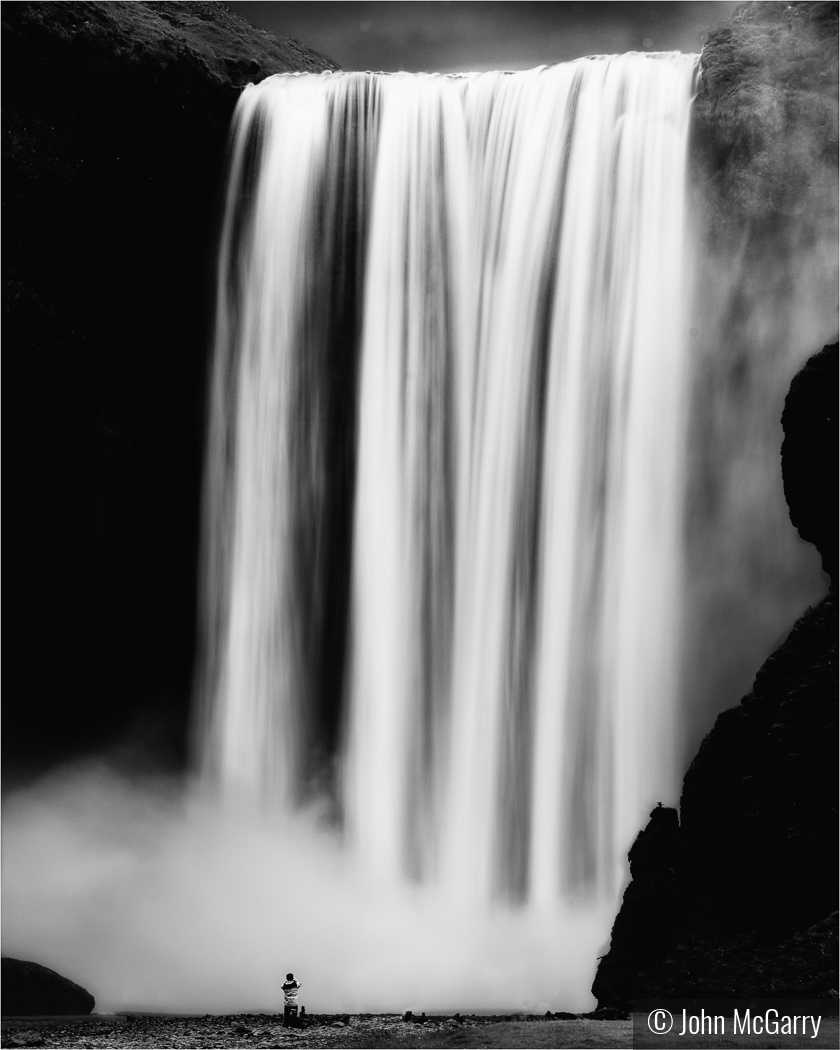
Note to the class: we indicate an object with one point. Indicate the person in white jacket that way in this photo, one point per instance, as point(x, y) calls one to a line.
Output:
point(290, 994)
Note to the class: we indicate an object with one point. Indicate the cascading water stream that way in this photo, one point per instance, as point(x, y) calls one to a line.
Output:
point(445, 497)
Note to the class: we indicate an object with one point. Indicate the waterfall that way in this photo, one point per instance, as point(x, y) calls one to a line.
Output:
point(444, 508)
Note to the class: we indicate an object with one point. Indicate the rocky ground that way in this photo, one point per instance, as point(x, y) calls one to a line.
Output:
point(266, 1030)
point(364, 1032)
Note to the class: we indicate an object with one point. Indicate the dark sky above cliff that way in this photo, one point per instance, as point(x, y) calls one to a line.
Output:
point(445, 37)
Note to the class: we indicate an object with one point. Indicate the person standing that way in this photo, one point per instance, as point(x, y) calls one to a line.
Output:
point(290, 1004)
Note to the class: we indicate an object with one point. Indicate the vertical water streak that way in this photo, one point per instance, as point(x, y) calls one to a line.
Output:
point(612, 535)
point(518, 164)
point(644, 555)
point(450, 376)
point(288, 271)
point(417, 288)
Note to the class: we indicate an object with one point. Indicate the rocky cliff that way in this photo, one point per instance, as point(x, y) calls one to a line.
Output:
point(738, 897)
point(115, 124)
point(765, 122)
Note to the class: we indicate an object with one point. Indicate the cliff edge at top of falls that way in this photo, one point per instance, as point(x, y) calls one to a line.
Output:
point(115, 131)
point(738, 898)
point(208, 40)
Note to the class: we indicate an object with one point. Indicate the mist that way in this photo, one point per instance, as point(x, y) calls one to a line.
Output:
point(153, 899)
point(749, 574)
point(765, 299)
point(453, 37)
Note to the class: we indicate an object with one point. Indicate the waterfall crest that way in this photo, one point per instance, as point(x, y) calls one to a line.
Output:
point(445, 495)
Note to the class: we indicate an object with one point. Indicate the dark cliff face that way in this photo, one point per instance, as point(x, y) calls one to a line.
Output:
point(115, 124)
point(809, 455)
point(739, 898)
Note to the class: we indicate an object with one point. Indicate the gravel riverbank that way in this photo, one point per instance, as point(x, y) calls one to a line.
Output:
point(370, 1031)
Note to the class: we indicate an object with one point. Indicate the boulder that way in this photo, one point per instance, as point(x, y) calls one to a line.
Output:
point(607, 1014)
point(32, 990)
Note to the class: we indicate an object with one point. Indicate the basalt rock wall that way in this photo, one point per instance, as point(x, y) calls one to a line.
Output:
point(115, 126)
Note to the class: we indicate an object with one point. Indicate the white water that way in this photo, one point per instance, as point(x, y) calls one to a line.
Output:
point(514, 628)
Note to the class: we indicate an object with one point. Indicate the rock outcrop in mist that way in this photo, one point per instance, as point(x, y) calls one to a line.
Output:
point(765, 123)
point(32, 990)
point(738, 897)
point(809, 455)
point(764, 190)
point(115, 125)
